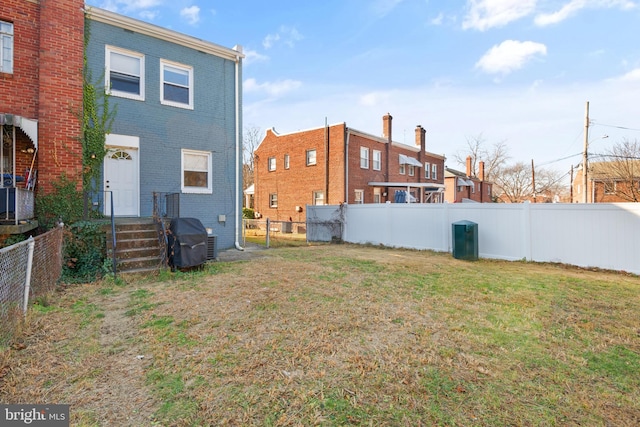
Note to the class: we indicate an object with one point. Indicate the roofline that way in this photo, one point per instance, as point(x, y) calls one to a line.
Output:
point(117, 20)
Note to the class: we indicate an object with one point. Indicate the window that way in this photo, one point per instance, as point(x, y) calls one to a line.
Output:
point(196, 171)
point(125, 73)
point(610, 187)
point(434, 171)
point(377, 160)
point(412, 170)
point(318, 198)
point(473, 187)
point(6, 47)
point(176, 87)
point(311, 157)
point(364, 157)
point(273, 200)
point(376, 195)
point(272, 164)
point(402, 169)
point(427, 170)
point(286, 161)
point(359, 196)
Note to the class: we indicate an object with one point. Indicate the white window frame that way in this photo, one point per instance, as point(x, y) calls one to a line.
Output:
point(6, 46)
point(358, 196)
point(209, 171)
point(427, 170)
point(311, 157)
point(434, 171)
point(402, 170)
point(473, 187)
point(318, 196)
point(286, 161)
point(412, 170)
point(141, 78)
point(376, 164)
point(271, 164)
point(376, 196)
point(364, 157)
point(273, 200)
point(164, 64)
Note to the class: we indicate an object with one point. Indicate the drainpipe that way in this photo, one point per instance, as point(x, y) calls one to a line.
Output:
point(346, 165)
point(238, 155)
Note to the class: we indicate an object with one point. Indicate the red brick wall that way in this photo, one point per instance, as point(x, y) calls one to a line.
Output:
point(295, 186)
point(46, 84)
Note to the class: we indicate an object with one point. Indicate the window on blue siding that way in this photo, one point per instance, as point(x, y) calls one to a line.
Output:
point(125, 73)
point(196, 171)
point(177, 85)
point(6, 47)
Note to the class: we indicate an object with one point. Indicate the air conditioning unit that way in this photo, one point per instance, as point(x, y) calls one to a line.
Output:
point(212, 247)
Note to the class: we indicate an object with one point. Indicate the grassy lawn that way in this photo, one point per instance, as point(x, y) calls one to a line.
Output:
point(338, 335)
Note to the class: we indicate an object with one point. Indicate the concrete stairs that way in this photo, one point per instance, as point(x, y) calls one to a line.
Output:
point(137, 246)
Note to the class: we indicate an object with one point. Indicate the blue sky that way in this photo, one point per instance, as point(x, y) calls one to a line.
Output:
point(512, 71)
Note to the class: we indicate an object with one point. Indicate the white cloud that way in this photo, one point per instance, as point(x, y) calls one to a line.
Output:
point(191, 14)
point(574, 6)
point(437, 20)
point(252, 56)
point(271, 88)
point(382, 8)
point(149, 15)
point(631, 76)
point(287, 35)
point(509, 55)
point(485, 14)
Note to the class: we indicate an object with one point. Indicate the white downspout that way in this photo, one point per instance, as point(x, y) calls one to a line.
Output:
point(346, 168)
point(238, 156)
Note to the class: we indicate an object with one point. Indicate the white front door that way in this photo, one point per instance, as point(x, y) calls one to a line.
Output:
point(121, 182)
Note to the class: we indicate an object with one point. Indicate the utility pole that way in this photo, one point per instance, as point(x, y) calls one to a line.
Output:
point(533, 181)
point(585, 155)
point(571, 186)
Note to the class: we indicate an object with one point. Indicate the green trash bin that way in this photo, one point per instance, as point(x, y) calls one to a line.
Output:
point(465, 240)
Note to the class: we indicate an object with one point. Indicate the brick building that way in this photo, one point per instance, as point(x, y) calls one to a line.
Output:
point(608, 182)
point(41, 62)
point(337, 164)
point(466, 186)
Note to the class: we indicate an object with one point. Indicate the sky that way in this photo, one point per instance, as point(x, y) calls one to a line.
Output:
point(518, 72)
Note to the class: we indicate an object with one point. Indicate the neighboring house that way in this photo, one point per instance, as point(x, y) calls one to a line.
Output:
point(608, 182)
point(41, 47)
point(178, 125)
point(337, 164)
point(465, 187)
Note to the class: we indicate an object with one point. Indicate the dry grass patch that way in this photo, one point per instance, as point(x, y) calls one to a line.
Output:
point(340, 335)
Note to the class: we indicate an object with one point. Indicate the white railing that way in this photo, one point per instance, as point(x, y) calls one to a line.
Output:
point(587, 235)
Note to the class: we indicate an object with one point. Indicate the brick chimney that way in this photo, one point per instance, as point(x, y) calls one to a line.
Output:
point(386, 127)
point(481, 171)
point(469, 166)
point(420, 139)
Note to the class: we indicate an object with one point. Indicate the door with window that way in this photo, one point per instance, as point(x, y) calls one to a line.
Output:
point(121, 182)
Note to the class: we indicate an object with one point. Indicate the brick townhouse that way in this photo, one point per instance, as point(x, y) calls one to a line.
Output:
point(337, 164)
point(466, 186)
point(41, 61)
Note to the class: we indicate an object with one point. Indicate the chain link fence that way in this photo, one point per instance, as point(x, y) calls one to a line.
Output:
point(29, 269)
point(274, 233)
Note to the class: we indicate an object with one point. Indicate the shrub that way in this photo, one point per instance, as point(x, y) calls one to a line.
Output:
point(84, 252)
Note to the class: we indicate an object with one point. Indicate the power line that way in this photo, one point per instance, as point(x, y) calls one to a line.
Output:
point(617, 127)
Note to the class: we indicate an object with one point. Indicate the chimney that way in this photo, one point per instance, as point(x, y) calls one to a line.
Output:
point(468, 165)
point(420, 140)
point(481, 171)
point(386, 126)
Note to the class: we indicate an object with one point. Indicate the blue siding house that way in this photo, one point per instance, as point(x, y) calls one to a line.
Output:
point(178, 127)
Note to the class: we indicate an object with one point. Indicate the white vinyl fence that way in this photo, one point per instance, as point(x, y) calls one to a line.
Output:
point(587, 235)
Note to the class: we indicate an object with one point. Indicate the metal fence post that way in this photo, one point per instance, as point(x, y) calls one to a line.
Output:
point(268, 231)
point(27, 280)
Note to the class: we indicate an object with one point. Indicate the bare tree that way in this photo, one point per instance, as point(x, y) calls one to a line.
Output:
point(494, 157)
point(251, 140)
point(621, 170)
point(514, 183)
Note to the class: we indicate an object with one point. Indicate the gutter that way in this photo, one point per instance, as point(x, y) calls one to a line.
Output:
point(238, 151)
